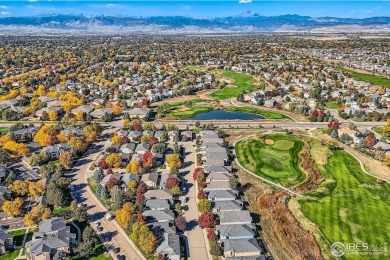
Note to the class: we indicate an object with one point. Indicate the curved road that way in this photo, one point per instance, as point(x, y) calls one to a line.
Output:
point(82, 194)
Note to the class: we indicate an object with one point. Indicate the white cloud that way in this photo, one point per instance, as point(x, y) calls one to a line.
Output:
point(110, 4)
point(244, 1)
point(3, 7)
point(32, 1)
point(5, 13)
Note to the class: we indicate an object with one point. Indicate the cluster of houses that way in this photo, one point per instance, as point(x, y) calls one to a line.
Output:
point(236, 232)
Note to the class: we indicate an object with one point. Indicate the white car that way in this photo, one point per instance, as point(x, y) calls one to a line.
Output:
point(96, 223)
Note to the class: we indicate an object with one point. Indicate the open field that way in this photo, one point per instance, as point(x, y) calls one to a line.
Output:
point(376, 80)
point(250, 110)
point(278, 162)
point(241, 82)
point(188, 112)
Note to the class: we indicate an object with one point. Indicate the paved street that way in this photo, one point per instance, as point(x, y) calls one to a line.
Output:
point(84, 195)
point(196, 241)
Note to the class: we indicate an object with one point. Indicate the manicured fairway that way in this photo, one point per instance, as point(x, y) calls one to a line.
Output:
point(181, 103)
point(376, 80)
point(190, 112)
point(277, 162)
point(350, 206)
point(241, 82)
point(250, 110)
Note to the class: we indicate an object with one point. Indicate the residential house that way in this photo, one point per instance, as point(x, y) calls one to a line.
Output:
point(150, 179)
point(218, 176)
point(54, 151)
point(159, 215)
point(6, 193)
point(100, 112)
point(159, 204)
point(134, 136)
point(237, 231)
point(218, 185)
point(170, 246)
point(234, 217)
point(128, 148)
point(83, 109)
point(6, 242)
point(228, 205)
point(109, 177)
point(53, 235)
point(139, 112)
point(142, 148)
point(158, 194)
point(240, 248)
point(25, 134)
point(221, 195)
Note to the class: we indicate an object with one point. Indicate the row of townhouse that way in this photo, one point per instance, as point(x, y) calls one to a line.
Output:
point(235, 230)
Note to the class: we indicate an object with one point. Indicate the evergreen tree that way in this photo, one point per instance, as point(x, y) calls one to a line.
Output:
point(98, 175)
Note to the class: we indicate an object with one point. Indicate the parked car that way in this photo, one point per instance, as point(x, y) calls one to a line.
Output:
point(96, 223)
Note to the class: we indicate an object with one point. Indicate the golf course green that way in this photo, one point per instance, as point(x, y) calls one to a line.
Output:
point(274, 158)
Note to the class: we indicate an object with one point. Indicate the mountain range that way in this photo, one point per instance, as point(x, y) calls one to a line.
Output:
point(248, 23)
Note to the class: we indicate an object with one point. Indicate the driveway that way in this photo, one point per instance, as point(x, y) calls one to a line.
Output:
point(196, 241)
point(82, 194)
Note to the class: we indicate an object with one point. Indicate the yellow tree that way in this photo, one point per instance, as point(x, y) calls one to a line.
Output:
point(79, 116)
point(123, 215)
point(126, 123)
point(90, 133)
point(4, 139)
point(66, 159)
point(40, 91)
point(387, 160)
point(134, 167)
point(386, 128)
point(145, 138)
point(19, 187)
point(36, 188)
point(53, 116)
point(117, 110)
point(114, 160)
point(173, 160)
point(78, 143)
point(61, 137)
point(46, 135)
point(36, 215)
point(115, 139)
point(16, 149)
point(13, 208)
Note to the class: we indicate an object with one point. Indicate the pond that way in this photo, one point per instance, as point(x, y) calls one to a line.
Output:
point(225, 115)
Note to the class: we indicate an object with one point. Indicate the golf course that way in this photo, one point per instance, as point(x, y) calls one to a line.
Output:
point(240, 81)
point(274, 157)
point(349, 206)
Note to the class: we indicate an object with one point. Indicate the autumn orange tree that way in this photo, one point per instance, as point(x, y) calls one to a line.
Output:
point(62, 138)
point(53, 115)
point(66, 159)
point(13, 208)
point(36, 215)
point(114, 160)
point(79, 116)
point(117, 110)
point(123, 215)
point(4, 139)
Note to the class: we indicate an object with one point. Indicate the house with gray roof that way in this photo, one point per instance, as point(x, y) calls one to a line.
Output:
point(170, 246)
point(139, 112)
point(6, 242)
point(100, 112)
point(54, 151)
point(142, 148)
point(69, 131)
point(159, 215)
point(158, 194)
point(84, 109)
point(160, 228)
point(240, 248)
point(217, 169)
point(25, 133)
point(238, 231)
point(150, 179)
point(53, 235)
point(109, 177)
point(227, 205)
point(128, 148)
point(221, 195)
point(6, 193)
point(234, 217)
point(134, 135)
point(218, 185)
point(128, 177)
point(218, 176)
point(159, 204)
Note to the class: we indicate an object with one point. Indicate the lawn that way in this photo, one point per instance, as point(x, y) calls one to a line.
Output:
point(379, 130)
point(18, 236)
point(4, 130)
point(277, 161)
point(101, 257)
point(189, 112)
point(350, 206)
point(92, 184)
point(181, 103)
point(60, 210)
point(10, 256)
point(241, 82)
point(374, 79)
point(250, 110)
point(332, 105)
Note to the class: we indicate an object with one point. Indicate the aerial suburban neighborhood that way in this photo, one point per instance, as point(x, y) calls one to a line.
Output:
point(241, 137)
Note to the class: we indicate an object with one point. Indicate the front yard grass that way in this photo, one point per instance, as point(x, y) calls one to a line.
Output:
point(278, 162)
point(18, 236)
point(332, 105)
point(250, 110)
point(241, 82)
point(10, 256)
point(60, 210)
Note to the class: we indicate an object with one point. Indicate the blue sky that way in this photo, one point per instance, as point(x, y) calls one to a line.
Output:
point(201, 9)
